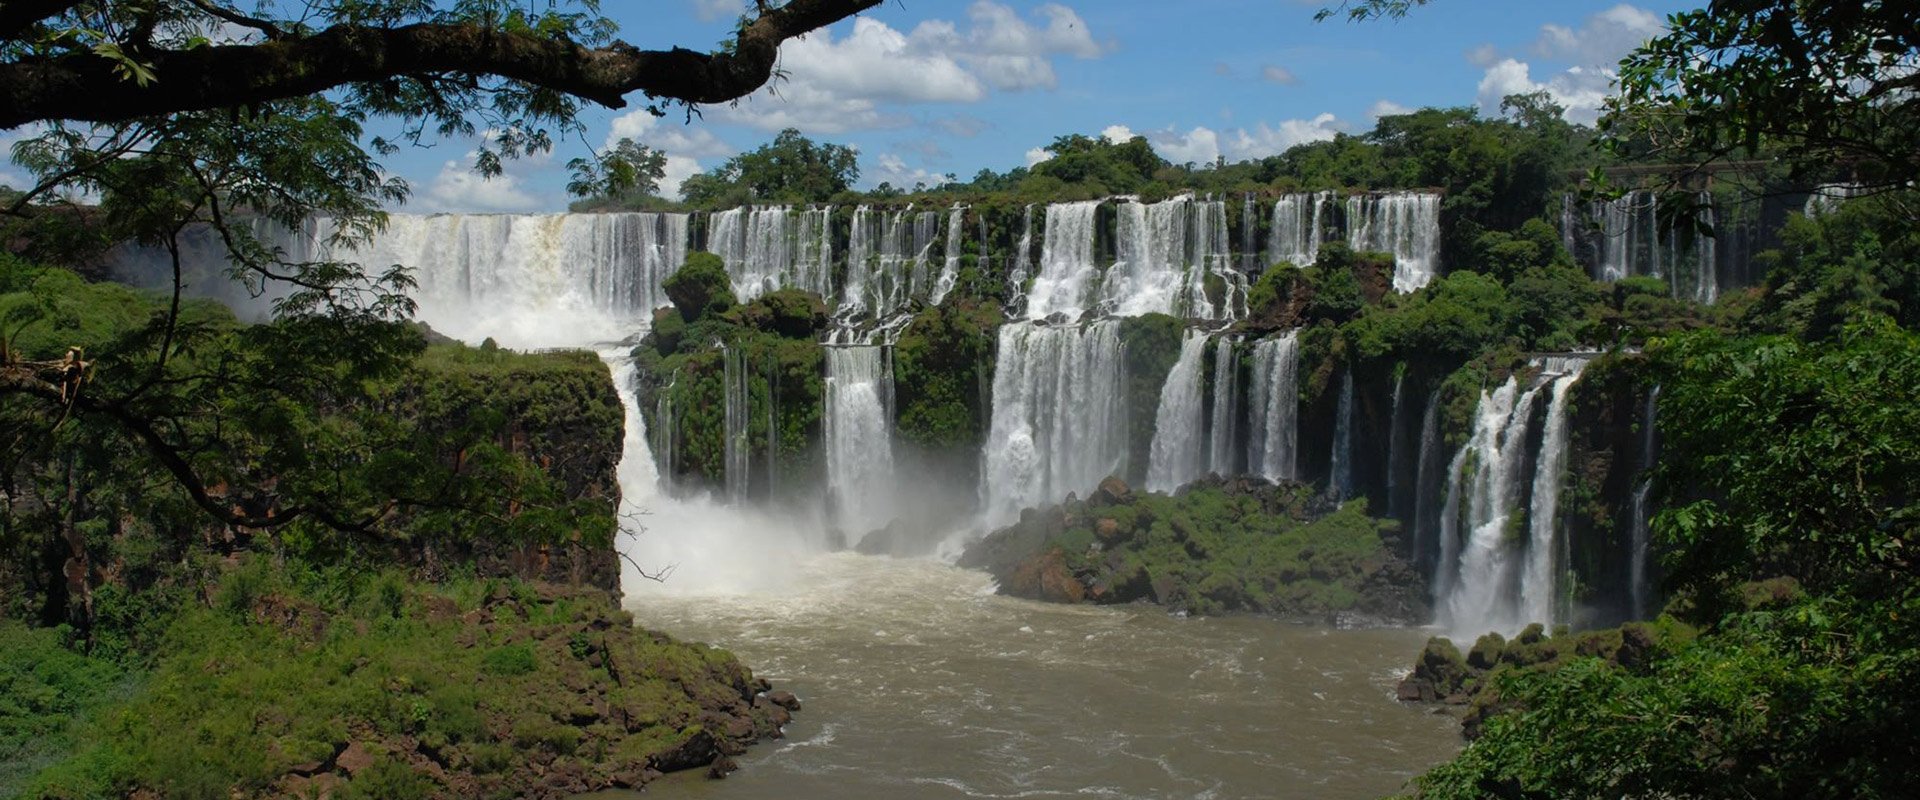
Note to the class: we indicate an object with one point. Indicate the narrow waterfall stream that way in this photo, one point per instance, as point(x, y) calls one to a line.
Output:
point(1179, 431)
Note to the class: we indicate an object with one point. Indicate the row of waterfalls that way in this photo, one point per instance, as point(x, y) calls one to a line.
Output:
point(1233, 402)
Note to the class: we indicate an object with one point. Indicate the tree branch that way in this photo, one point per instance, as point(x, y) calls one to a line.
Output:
point(84, 86)
point(16, 16)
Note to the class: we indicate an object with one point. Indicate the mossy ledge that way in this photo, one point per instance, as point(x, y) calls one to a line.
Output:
point(380, 686)
point(1216, 546)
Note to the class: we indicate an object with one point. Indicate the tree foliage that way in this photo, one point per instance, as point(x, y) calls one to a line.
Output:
point(1831, 88)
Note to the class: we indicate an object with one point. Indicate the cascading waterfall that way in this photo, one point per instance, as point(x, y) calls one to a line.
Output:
point(1212, 260)
point(1827, 198)
point(859, 442)
point(1274, 404)
point(1067, 271)
point(739, 451)
point(950, 269)
point(1426, 522)
point(1641, 529)
point(1406, 224)
point(1474, 592)
point(1059, 416)
point(503, 275)
point(1297, 228)
point(1340, 479)
point(766, 248)
point(663, 443)
point(1020, 265)
point(1179, 427)
point(1150, 276)
point(1396, 445)
point(1629, 240)
point(1491, 578)
point(1540, 584)
point(1223, 447)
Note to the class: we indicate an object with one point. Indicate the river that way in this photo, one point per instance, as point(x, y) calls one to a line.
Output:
point(918, 681)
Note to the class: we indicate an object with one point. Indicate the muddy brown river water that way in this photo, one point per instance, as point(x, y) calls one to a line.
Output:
point(918, 682)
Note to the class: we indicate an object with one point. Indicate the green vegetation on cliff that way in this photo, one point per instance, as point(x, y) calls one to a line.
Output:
point(290, 681)
point(1213, 547)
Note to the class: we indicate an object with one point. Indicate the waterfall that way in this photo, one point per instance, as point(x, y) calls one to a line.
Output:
point(1426, 522)
point(1212, 259)
point(1501, 551)
point(1274, 401)
point(1540, 584)
point(1406, 224)
point(1249, 228)
point(1632, 242)
point(1396, 446)
point(1067, 271)
point(1226, 408)
point(501, 275)
point(1340, 475)
point(1150, 275)
point(1296, 233)
point(886, 261)
point(766, 248)
point(859, 444)
point(1059, 414)
point(1827, 198)
point(1642, 526)
point(1706, 281)
point(950, 269)
point(1475, 593)
point(664, 442)
point(1179, 429)
point(739, 451)
point(1020, 265)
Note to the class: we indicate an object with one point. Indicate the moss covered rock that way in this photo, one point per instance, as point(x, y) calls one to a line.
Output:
point(1219, 546)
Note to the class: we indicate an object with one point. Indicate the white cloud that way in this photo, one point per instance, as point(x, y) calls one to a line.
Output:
point(459, 188)
point(1277, 74)
point(1264, 140)
point(891, 168)
point(1118, 134)
point(1590, 52)
point(669, 137)
point(1602, 40)
point(1386, 108)
point(853, 83)
point(1198, 146)
point(711, 10)
point(1486, 55)
point(1037, 155)
point(1580, 90)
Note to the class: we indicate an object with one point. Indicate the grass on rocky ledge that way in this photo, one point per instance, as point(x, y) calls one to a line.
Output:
point(365, 686)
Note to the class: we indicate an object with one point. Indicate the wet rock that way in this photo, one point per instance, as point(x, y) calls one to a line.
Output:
point(1111, 492)
point(1486, 652)
point(784, 699)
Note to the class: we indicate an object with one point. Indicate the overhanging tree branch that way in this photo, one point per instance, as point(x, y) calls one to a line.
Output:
point(84, 86)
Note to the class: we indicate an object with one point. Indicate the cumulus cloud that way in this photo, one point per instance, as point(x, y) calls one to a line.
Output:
point(891, 168)
point(855, 82)
point(1037, 155)
point(1203, 145)
point(1264, 140)
point(1602, 40)
point(1580, 90)
point(1277, 74)
point(458, 188)
point(1386, 108)
point(1590, 53)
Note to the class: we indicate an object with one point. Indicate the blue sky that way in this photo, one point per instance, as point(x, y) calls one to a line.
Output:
point(925, 88)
